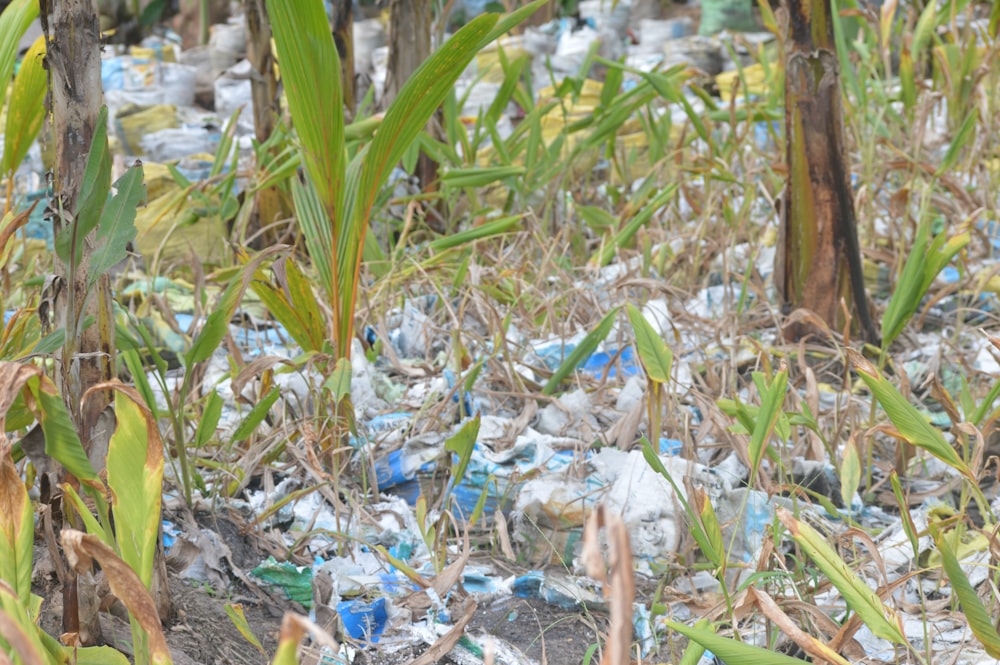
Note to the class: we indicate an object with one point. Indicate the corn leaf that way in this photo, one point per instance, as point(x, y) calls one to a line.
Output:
point(880, 619)
point(25, 111)
point(980, 621)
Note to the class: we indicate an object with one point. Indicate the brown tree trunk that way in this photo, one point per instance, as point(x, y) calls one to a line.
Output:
point(343, 37)
point(409, 39)
point(270, 205)
point(73, 36)
point(818, 265)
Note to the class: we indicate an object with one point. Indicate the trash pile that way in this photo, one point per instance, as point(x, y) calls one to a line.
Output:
point(537, 467)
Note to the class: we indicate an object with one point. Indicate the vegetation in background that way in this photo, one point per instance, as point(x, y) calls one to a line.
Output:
point(601, 193)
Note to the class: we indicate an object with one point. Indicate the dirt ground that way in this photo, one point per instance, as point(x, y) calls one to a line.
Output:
point(200, 632)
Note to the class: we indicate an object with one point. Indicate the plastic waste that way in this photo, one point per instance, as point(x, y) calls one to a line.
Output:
point(233, 91)
point(174, 143)
point(364, 621)
point(178, 83)
point(295, 581)
point(653, 33)
point(733, 15)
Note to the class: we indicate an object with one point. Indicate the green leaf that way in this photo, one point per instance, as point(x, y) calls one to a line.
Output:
point(462, 444)
point(980, 621)
point(305, 47)
point(597, 218)
point(962, 139)
point(25, 110)
point(217, 324)
point(239, 619)
point(318, 233)
point(583, 350)
point(20, 635)
point(491, 228)
point(210, 414)
point(256, 416)
point(912, 425)
point(93, 193)
point(14, 22)
point(61, 440)
point(479, 176)
point(850, 472)
point(653, 352)
point(730, 650)
point(135, 478)
point(880, 619)
point(292, 303)
point(117, 225)
point(771, 401)
point(17, 530)
point(706, 541)
point(339, 383)
point(607, 252)
point(904, 514)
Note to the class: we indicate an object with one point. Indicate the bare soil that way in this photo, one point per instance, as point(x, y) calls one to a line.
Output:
point(200, 632)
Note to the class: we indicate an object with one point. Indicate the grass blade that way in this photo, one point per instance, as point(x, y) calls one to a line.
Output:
point(730, 650)
point(582, 351)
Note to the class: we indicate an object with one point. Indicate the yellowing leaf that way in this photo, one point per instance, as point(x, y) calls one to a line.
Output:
point(880, 619)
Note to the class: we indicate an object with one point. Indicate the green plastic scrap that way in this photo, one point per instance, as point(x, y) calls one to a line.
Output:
point(295, 581)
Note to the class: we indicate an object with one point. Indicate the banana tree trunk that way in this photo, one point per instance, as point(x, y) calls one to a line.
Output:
point(819, 260)
point(73, 36)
